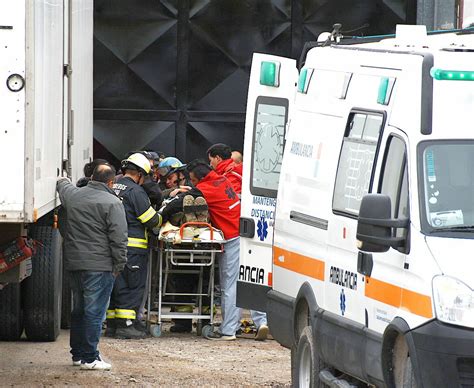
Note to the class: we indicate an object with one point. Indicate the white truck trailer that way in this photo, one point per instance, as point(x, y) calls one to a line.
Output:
point(45, 132)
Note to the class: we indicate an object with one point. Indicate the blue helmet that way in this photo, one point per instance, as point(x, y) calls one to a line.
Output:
point(169, 165)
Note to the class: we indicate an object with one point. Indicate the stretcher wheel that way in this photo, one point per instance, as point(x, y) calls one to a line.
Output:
point(206, 330)
point(155, 330)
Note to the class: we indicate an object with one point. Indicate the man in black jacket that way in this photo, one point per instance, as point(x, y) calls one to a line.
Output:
point(129, 288)
point(95, 243)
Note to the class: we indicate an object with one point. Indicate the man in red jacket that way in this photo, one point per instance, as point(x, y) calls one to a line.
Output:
point(220, 158)
point(224, 211)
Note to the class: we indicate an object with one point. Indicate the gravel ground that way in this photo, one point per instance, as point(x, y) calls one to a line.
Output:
point(181, 360)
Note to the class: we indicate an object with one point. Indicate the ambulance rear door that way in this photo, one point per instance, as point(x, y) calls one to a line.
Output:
point(272, 89)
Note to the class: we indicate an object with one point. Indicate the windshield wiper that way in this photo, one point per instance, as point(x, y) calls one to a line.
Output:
point(464, 228)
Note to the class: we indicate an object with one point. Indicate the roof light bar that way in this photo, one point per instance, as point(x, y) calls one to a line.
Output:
point(270, 73)
point(452, 75)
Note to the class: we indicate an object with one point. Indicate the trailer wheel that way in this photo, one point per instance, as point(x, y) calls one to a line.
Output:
point(305, 362)
point(11, 320)
point(66, 302)
point(42, 290)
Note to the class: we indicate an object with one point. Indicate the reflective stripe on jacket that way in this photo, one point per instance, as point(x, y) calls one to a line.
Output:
point(139, 212)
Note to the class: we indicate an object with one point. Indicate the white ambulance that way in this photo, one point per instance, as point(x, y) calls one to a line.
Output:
point(372, 272)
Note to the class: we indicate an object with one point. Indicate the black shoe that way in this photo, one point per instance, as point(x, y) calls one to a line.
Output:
point(110, 332)
point(140, 325)
point(130, 332)
point(184, 326)
point(111, 326)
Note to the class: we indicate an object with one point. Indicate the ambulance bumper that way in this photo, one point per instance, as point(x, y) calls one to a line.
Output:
point(444, 355)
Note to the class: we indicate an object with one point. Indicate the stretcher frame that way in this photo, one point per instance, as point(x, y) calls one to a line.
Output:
point(180, 259)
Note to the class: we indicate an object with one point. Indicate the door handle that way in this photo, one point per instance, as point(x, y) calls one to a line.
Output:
point(246, 227)
point(365, 263)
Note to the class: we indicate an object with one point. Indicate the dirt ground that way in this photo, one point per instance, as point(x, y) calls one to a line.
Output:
point(181, 360)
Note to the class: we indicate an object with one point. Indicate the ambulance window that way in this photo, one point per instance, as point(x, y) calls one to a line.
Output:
point(394, 181)
point(271, 115)
point(355, 169)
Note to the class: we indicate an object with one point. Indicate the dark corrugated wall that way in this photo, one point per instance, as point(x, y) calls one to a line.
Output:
point(172, 75)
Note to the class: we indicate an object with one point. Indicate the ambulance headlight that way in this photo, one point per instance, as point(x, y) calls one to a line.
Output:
point(454, 301)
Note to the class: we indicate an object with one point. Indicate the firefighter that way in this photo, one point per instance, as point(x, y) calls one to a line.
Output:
point(130, 285)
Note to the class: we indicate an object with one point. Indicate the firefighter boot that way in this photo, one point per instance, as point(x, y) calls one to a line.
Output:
point(111, 328)
point(128, 330)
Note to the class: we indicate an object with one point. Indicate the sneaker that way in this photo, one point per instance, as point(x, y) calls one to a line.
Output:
point(130, 332)
point(76, 362)
point(216, 336)
point(201, 209)
point(262, 333)
point(188, 205)
point(96, 365)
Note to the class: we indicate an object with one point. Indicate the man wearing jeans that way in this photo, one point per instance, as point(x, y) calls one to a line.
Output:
point(224, 211)
point(95, 244)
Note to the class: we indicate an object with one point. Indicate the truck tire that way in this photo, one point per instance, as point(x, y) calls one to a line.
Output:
point(305, 363)
point(42, 290)
point(66, 302)
point(11, 320)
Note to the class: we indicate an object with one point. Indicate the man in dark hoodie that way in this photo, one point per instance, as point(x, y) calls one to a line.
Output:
point(95, 243)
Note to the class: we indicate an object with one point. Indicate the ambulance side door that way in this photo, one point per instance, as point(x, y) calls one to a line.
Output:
point(272, 89)
point(387, 271)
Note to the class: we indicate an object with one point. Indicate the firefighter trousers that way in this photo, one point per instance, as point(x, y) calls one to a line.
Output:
point(129, 288)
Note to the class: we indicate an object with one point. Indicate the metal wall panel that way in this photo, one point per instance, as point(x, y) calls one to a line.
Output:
point(172, 75)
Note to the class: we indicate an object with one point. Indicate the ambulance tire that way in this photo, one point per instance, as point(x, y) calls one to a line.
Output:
point(305, 362)
point(409, 375)
point(11, 320)
point(42, 290)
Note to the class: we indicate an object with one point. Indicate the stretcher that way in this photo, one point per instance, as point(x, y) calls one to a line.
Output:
point(189, 249)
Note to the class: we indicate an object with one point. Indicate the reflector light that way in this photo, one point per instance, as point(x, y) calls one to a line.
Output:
point(452, 75)
point(304, 80)
point(385, 90)
point(270, 74)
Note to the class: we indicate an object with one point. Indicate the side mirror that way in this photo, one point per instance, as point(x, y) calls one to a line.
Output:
point(375, 225)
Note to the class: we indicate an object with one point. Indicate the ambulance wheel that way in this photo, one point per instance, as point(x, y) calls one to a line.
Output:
point(206, 330)
point(42, 290)
point(155, 331)
point(402, 367)
point(306, 364)
point(11, 320)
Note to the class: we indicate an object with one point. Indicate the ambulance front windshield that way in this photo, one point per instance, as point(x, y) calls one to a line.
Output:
point(447, 169)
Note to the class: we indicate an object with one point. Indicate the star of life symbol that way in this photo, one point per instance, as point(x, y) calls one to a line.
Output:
point(262, 229)
point(342, 300)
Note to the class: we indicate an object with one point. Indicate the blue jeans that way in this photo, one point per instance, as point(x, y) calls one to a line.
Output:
point(229, 273)
point(90, 296)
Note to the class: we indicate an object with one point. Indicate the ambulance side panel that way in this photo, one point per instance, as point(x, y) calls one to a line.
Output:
point(335, 155)
point(268, 111)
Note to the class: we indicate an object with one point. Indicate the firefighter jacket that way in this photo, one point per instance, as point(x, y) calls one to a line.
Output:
point(223, 203)
point(139, 212)
point(233, 172)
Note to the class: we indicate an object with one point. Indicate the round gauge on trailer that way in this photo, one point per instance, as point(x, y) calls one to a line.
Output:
point(15, 82)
